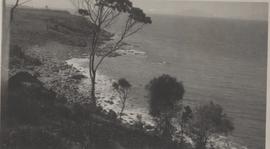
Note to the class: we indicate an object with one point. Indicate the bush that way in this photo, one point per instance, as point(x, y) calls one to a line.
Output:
point(164, 92)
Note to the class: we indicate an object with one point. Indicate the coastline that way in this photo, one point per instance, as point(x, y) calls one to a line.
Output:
point(67, 80)
point(60, 76)
point(106, 97)
point(105, 94)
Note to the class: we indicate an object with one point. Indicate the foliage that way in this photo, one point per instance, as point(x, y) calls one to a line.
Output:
point(78, 127)
point(122, 86)
point(32, 137)
point(27, 100)
point(164, 93)
point(102, 14)
point(208, 120)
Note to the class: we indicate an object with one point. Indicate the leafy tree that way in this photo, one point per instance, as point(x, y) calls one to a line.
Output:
point(102, 14)
point(122, 86)
point(164, 91)
point(208, 120)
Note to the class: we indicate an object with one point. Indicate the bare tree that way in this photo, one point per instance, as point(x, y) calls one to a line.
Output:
point(183, 120)
point(16, 5)
point(165, 92)
point(122, 86)
point(207, 121)
point(102, 14)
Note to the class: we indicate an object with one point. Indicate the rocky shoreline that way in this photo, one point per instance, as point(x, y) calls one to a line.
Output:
point(107, 98)
point(63, 80)
point(71, 81)
point(55, 74)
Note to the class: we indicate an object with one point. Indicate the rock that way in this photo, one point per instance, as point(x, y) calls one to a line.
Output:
point(149, 127)
point(109, 102)
point(78, 76)
point(124, 114)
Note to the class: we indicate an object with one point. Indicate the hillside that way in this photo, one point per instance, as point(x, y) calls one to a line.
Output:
point(42, 111)
point(38, 26)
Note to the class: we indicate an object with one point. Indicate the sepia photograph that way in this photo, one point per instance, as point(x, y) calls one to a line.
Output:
point(133, 74)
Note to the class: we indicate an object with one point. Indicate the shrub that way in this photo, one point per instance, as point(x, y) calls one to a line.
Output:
point(164, 92)
point(208, 120)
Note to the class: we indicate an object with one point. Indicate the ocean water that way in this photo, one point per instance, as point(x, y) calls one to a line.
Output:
point(218, 60)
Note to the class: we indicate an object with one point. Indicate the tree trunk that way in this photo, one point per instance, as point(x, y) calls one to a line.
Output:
point(124, 98)
point(12, 11)
point(122, 109)
point(93, 90)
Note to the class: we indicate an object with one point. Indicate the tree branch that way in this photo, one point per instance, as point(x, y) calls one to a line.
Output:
point(135, 31)
point(116, 47)
point(24, 2)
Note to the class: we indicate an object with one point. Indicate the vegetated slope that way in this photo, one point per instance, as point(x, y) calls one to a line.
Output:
point(37, 26)
point(38, 118)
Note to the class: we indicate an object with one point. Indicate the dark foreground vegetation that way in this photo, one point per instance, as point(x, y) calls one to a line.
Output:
point(37, 118)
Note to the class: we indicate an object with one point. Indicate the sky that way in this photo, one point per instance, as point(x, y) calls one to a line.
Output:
point(236, 10)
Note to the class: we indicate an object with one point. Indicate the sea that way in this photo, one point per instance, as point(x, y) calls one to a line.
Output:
point(217, 59)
